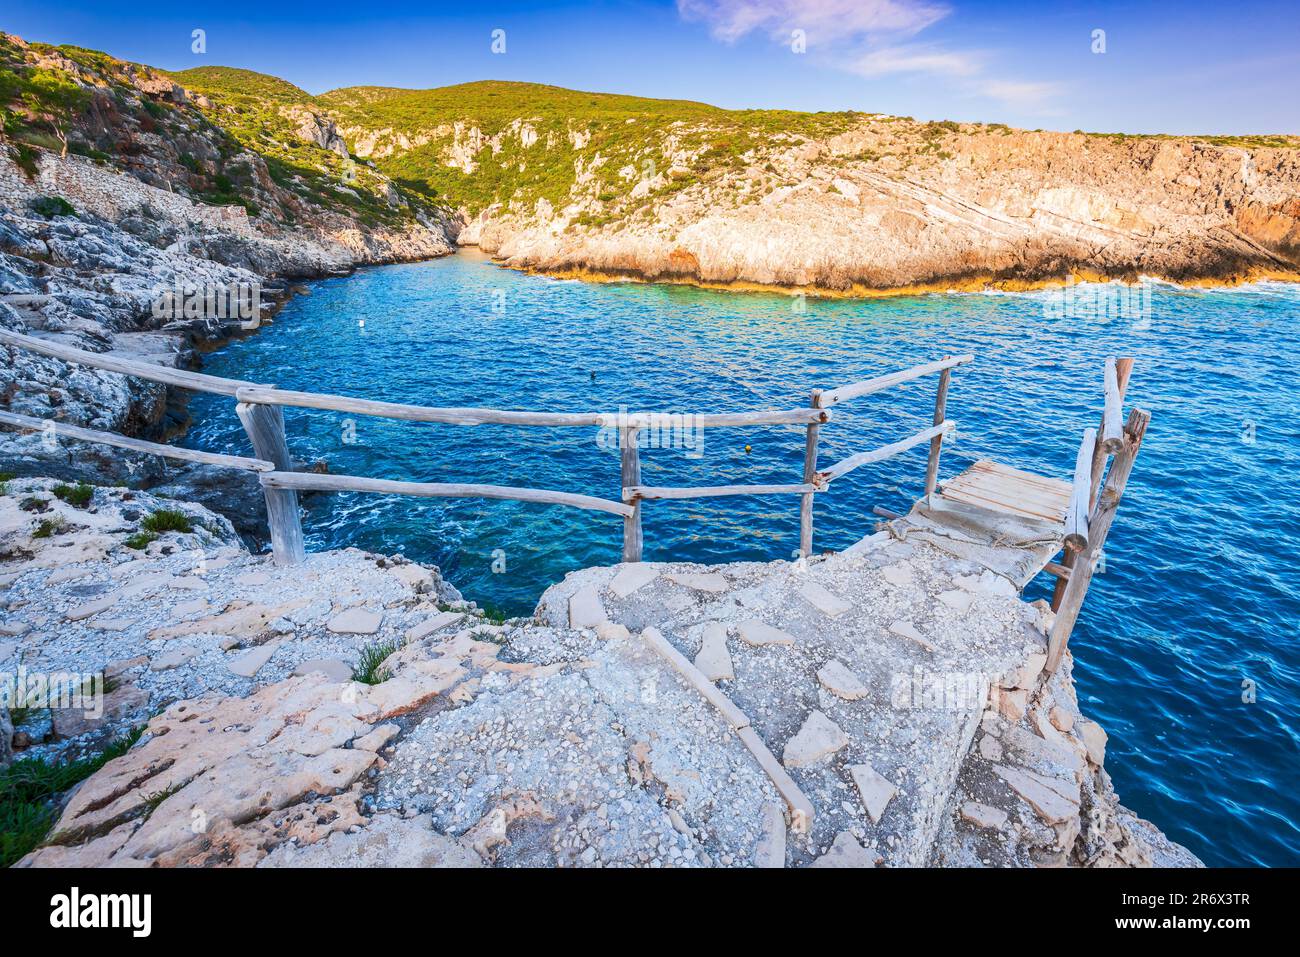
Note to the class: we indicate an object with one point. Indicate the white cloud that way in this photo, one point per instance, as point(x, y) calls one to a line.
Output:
point(1034, 97)
point(869, 38)
point(915, 59)
point(824, 21)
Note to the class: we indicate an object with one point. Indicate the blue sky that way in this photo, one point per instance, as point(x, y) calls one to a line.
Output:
point(1175, 67)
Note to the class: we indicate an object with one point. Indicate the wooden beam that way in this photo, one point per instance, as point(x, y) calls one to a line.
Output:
point(867, 387)
point(884, 452)
point(181, 378)
point(1123, 369)
point(1059, 570)
point(630, 472)
point(1081, 573)
point(936, 443)
point(414, 413)
point(1076, 517)
point(710, 420)
point(265, 427)
point(311, 481)
point(28, 424)
point(809, 478)
point(472, 416)
point(1112, 431)
point(633, 492)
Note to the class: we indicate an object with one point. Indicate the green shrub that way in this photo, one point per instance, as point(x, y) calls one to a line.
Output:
point(52, 206)
point(78, 495)
point(25, 157)
point(140, 540)
point(167, 520)
point(28, 789)
point(48, 527)
point(368, 670)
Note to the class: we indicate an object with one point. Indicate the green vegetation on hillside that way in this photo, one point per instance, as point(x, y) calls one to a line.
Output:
point(253, 139)
point(262, 113)
point(30, 788)
point(519, 140)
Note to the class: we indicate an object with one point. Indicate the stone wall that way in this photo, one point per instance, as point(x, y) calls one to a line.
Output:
point(107, 193)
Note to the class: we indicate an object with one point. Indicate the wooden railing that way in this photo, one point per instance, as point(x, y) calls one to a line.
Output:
point(259, 408)
point(1092, 507)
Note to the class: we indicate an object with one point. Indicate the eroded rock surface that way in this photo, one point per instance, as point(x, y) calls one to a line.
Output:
point(542, 742)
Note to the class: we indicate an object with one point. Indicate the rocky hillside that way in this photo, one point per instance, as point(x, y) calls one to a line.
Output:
point(281, 164)
point(846, 202)
point(118, 186)
point(597, 184)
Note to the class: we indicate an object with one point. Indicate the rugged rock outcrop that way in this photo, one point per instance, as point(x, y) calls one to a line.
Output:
point(584, 736)
point(987, 207)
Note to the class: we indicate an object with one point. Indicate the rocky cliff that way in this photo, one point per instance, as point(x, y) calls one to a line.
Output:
point(847, 203)
point(119, 187)
point(870, 209)
point(355, 711)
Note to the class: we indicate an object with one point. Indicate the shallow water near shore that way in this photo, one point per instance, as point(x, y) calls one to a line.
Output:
point(1198, 590)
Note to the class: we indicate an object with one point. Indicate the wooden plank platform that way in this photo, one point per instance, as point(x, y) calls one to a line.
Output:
point(1001, 488)
point(1007, 520)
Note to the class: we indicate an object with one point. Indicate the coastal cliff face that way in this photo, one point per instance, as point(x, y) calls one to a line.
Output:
point(984, 208)
point(603, 185)
point(283, 183)
point(838, 203)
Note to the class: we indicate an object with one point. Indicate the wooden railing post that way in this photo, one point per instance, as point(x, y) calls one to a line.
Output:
point(265, 427)
point(631, 473)
point(1114, 387)
point(1116, 384)
point(936, 443)
point(809, 478)
point(1081, 573)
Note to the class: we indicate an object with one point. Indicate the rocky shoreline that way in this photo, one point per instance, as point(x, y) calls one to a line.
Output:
point(91, 281)
point(991, 207)
point(356, 711)
point(983, 282)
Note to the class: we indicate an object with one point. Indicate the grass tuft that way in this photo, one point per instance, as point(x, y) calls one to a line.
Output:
point(368, 670)
point(140, 540)
point(78, 495)
point(49, 526)
point(167, 520)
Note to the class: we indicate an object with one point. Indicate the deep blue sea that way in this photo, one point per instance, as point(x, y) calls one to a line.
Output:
point(1199, 591)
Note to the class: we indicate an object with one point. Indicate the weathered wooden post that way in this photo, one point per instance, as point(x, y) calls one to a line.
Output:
point(1115, 386)
point(809, 478)
point(631, 472)
point(1076, 517)
point(1081, 574)
point(936, 443)
point(265, 427)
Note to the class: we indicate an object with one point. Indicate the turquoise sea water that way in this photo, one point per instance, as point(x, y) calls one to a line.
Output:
point(1199, 589)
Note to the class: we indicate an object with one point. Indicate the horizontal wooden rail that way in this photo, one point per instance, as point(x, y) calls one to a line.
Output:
point(413, 413)
point(858, 389)
point(884, 452)
point(634, 492)
point(315, 482)
point(29, 424)
point(259, 409)
point(709, 420)
point(181, 378)
point(475, 416)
